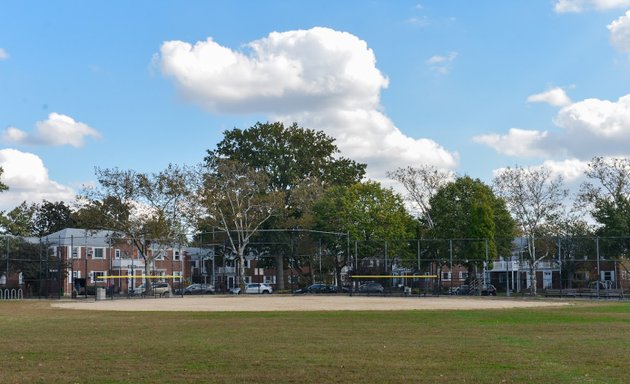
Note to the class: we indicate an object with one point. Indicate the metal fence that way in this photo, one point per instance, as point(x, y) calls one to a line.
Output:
point(81, 266)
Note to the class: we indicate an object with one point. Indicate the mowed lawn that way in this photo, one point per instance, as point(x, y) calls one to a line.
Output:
point(584, 343)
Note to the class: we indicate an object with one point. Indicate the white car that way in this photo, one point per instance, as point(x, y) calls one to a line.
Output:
point(258, 288)
point(159, 289)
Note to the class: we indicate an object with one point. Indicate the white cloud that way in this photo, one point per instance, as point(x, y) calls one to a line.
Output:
point(597, 118)
point(421, 21)
point(571, 170)
point(620, 33)
point(554, 96)
point(28, 180)
point(442, 63)
point(3, 54)
point(575, 6)
point(57, 130)
point(590, 127)
point(320, 78)
point(518, 142)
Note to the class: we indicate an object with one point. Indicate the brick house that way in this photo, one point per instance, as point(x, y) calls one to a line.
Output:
point(95, 258)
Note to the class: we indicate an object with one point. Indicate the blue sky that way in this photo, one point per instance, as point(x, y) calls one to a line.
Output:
point(469, 86)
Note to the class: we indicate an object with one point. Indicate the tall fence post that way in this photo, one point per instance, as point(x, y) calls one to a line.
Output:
point(6, 273)
point(559, 264)
point(450, 257)
point(598, 272)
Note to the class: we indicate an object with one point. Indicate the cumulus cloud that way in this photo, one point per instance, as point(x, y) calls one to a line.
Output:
point(556, 97)
point(57, 130)
point(28, 180)
point(620, 33)
point(320, 78)
point(575, 6)
point(3, 54)
point(442, 63)
point(571, 170)
point(517, 142)
point(591, 127)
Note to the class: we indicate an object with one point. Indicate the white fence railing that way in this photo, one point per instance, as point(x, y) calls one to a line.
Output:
point(11, 294)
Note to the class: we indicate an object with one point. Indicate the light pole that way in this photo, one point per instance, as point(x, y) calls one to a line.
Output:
point(133, 272)
point(72, 252)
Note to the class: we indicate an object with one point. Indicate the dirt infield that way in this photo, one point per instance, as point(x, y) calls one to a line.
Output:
point(265, 303)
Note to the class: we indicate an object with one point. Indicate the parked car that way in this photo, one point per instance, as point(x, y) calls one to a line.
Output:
point(258, 288)
point(158, 289)
point(463, 290)
point(371, 288)
point(319, 288)
point(199, 289)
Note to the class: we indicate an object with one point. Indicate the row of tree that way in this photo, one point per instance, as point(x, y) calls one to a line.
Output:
point(275, 176)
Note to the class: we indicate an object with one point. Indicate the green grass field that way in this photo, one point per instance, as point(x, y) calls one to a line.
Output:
point(585, 343)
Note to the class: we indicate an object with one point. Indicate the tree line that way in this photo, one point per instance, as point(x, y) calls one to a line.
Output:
point(276, 176)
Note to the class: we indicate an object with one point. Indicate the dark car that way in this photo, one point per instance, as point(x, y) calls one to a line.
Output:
point(371, 288)
point(322, 288)
point(198, 289)
point(489, 290)
point(463, 290)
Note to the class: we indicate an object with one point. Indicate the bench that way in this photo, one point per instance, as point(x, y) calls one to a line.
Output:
point(585, 292)
point(560, 292)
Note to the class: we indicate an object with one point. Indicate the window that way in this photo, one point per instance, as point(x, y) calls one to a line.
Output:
point(76, 252)
point(97, 276)
point(270, 280)
point(446, 275)
point(98, 253)
point(177, 276)
point(161, 273)
point(177, 256)
point(248, 279)
point(160, 255)
point(117, 254)
point(608, 275)
point(463, 275)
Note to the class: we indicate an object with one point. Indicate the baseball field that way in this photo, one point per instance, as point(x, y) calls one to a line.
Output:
point(293, 339)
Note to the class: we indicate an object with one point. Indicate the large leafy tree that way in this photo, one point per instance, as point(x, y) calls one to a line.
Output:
point(606, 194)
point(421, 184)
point(300, 164)
point(288, 155)
point(149, 208)
point(37, 219)
point(365, 211)
point(52, 217)
point(236, 200)
point(535, 199)
point(468, 211)
point(20, 221)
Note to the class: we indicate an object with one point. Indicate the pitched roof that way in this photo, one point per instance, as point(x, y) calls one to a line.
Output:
point(78, 237)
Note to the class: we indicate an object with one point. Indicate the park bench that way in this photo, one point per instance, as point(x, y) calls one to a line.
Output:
point(560, 292)
point(585, 292)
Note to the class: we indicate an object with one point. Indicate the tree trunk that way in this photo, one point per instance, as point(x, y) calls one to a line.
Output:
point(147, 282)
point(533, 279)
point(241, 270)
